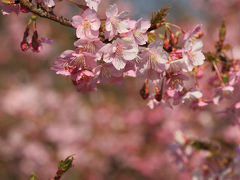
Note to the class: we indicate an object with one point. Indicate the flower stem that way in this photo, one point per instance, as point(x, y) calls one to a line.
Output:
point(218, 73)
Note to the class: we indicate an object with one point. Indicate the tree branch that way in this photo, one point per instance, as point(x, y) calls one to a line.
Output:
point(40, 12)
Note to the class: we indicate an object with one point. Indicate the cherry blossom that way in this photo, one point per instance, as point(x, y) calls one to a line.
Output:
point(87, 24)
point(49, 3)
point(192, 55)
point(83, 80)
point(107, 73)
point(119, 52)
point(115, 23)
point(139, 31)
point(153, 61)
point(93, 4)
point(91, 46)
point(192, 95)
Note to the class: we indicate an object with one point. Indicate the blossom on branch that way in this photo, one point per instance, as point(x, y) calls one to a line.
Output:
point(153, 61)
point(119, 52)
point(87, 25)
point(115, 23)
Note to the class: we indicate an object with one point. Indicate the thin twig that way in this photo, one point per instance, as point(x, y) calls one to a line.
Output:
point(218, 73)
point(40, 12)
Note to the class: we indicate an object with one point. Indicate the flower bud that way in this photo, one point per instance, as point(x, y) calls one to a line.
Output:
point(35, 41)
point(144, 91)
point(24, 46)
point(158, 95)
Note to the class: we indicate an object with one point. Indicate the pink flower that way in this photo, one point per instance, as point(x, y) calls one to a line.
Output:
point(107, 73)
point(153, 61)
point(60, 65)
point(175, 87)
point(175, 80)
point(139, 31)
point(71, 62)
point(83, 81)
point(192, 55)
point(91, 46)
point(93, 4)
point(221, 92)
point(87, 25)
point(78, 65)
point(119, 52)
point(192, 96)
point(115, 23)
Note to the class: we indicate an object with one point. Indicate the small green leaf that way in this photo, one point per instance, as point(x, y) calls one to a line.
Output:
point(225, 78)
point(64, 165)
point(201, 145)
point(222, 32)
point(33, 176)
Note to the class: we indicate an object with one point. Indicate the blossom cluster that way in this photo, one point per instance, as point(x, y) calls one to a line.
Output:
point(110, 50)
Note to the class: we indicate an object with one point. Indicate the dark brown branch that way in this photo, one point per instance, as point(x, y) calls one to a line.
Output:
point(40, 12)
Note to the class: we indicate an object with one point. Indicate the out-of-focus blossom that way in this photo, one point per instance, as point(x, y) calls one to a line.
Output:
point(8, 9)
point(49, 3)
point(93, 4)
point(192, 95)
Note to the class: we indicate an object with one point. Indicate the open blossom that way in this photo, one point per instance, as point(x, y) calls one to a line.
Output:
point(119, 52)
point(115, 23)
point(87, 24)
point(78, 65)
point(192, 55)
point(107, 73)
point(222, 92)
point(192, 96)
point(59, 65)
point(153, 61)
point(139, 31)
point(83, 81)
point(90, 45)
point(93, 4)
point(71, 62)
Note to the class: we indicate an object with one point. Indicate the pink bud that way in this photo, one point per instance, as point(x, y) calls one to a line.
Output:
point(24, 46)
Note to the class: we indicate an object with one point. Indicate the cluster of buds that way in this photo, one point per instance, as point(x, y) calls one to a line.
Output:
point(35, 43)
